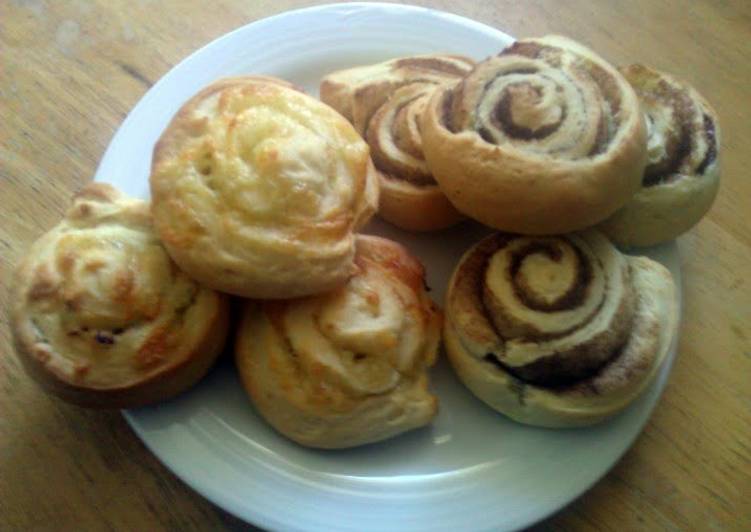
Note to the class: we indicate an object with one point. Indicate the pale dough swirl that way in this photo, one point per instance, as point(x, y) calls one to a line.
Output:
point(257, 189)
point(385, 102)
point(102, 317)
point(557, 331)
point(348, 367)
point(544, 138)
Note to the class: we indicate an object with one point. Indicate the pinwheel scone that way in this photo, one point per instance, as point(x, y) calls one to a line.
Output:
point(557, 331)
point(385, 101)
point(348, 367)
point(682, 177)
point(544, 138)
point(102, 317)
point(257, 189)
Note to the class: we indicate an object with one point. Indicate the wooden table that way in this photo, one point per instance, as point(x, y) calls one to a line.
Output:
point(72, 70)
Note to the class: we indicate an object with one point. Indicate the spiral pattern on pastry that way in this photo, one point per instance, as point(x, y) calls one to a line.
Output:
point(557, 331)
point(546, 137)
point(348, 367)
point(385, 101)
point(257, 189)
point(394, 136)
point(682, 176)
point(102, 317)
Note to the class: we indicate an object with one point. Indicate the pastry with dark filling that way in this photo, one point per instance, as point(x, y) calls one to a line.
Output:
point(557, 331)
point(544, 138)
point(683, 173)
point(385, 102)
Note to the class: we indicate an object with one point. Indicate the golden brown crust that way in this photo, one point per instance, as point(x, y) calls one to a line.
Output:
point(574, 330)
point(174, 137)
point(102, 318)
point(257, 189)
point(544, 138)
point(348, 367)
point(384, 102)
point(682, 176)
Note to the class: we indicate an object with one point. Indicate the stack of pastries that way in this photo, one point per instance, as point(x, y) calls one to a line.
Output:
point(259, 191)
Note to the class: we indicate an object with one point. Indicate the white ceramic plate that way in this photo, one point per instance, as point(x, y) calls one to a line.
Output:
point(473, 468)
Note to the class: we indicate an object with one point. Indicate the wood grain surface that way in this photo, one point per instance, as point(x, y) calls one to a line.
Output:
point(69, 73)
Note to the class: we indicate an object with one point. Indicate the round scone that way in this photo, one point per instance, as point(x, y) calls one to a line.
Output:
point(102, 317)
point(257, 189)
point(557, 331)
point(683, 173)
point(384, 102)
point(544, 138)
point(348, 367)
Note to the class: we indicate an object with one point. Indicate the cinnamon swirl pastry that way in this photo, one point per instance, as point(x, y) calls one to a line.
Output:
point(257, 189)
point(683, 172)
point(348, 367)
point(384, 101)
point(557, 331)
point(544, 138)
point(102, 317)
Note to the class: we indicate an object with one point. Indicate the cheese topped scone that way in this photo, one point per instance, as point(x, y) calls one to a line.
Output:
point(102, 317)
point(257, 189)
point(347, 367)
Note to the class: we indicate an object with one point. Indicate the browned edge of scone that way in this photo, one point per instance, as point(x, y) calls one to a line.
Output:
point(164, 385)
